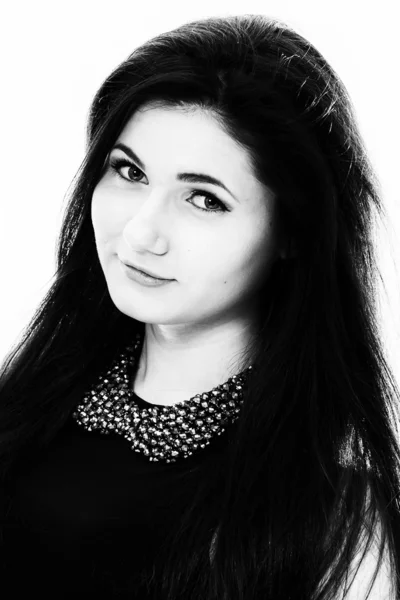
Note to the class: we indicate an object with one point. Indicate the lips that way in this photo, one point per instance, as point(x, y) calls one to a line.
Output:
point(129, 264)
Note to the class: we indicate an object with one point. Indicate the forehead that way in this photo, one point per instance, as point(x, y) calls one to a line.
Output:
point(194, 129)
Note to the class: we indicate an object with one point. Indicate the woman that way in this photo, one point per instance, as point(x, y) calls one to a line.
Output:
point(225, 427)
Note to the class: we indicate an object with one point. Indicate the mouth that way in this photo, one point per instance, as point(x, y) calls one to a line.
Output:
point(146, 273)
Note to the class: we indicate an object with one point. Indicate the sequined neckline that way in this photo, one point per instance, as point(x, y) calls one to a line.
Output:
point(164, 433)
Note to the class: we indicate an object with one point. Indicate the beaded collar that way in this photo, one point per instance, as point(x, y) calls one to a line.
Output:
point(162, 433)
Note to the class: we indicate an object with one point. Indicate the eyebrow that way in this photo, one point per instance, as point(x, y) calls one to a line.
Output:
point(187, 177)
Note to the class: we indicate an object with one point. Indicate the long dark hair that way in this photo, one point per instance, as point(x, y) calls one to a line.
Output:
point(314, 461)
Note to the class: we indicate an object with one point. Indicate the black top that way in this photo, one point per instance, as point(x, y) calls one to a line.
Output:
point(88, 514)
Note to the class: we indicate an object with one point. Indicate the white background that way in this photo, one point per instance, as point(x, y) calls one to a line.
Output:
point(54, 57)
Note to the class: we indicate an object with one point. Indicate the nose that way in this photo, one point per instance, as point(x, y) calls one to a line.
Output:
point(146, 228)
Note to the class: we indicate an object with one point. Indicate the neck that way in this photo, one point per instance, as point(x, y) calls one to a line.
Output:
point(179, 361)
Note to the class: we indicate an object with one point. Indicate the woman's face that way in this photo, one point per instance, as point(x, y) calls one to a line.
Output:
point(217, 257)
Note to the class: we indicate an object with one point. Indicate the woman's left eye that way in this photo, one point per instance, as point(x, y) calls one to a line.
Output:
point(117, 164)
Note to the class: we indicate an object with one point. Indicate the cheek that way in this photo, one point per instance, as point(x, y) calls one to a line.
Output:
point(97, 207)
point(227, 261)
point(248, 260)
point(104, 220)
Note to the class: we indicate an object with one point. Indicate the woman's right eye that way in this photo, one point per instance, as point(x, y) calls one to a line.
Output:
point(117, 163)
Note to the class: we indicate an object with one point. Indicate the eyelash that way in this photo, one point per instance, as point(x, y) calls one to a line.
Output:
point(117, 163)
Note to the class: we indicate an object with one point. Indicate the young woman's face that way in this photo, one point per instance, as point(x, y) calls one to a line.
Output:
point(218, 257)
